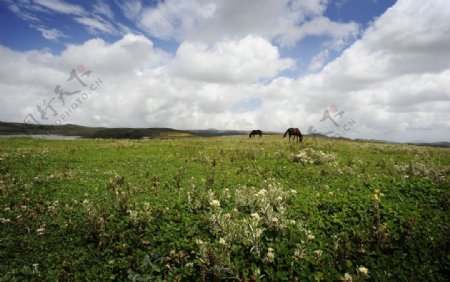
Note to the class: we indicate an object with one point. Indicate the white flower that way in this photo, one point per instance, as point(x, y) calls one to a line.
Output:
point(259, 231)
point(347, 277)
point(279, 198)
point(222, 241)
point(227, 216)
point(292, 221)
point(311, 237)
point(363, 270)
point(262, 192)
point(293, 192)
point(318, 253)
point(215, 203)
point(199, 242)
point(40, 231)
point(255, 216)
point(4, 220)
point(275, 220)
point(270, 255)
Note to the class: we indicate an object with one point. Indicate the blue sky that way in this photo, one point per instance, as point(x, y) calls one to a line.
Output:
point(19, 32)
point(267, 64)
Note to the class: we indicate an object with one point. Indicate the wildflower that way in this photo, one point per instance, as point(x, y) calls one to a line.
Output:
point(262, 192)
point(199, 242)
point(4, 220)
point(259, 231)
point(222, 241)
point(292, 222)
point(255, 216)
point(270, 255)
point(35, 267)
point(363, 270)
point(215, 203)
point(317, 253)
point(274, 220)
point(311, 237)
point(298, 254)
point(347, 278)
point(227, 216)
point(279, 198)
point(40, 231)
point(190, 265)
point(293, 192)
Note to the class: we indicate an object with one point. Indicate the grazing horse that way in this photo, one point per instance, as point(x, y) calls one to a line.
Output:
point(255, 132)
point(294, 132)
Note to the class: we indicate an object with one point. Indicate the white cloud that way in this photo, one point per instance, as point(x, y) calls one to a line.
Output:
point(101, 7)
point(319, 60)
point(97, 24)
point(246, 60)
point(211, 20)
point(61, 6)
point(51, 34)
point(131, 9)
point(171, 19)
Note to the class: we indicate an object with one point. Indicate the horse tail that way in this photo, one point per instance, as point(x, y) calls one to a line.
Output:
point(286, 133)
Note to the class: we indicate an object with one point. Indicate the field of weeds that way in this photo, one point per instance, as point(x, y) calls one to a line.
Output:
point(225, 208)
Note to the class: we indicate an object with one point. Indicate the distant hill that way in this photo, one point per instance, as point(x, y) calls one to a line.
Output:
point(10, 128)
point(435, 144)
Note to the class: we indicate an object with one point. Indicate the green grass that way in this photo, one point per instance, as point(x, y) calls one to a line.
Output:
point(223, 208)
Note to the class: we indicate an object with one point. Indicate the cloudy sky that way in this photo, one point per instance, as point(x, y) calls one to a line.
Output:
point(374, 69)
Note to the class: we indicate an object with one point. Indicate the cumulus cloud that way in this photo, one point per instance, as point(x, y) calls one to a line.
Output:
point(245, 60)
point(286, 22)
point(393, 82)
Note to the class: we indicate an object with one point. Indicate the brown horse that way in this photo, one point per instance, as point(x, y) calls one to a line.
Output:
point(294, 132)
point(255, 132)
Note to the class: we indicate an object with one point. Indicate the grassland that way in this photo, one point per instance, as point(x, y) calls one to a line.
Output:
point(223, 208)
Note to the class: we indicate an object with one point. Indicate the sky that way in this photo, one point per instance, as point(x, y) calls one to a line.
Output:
point(370, 69)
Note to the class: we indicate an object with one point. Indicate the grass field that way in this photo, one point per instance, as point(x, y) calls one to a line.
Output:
point(223, 208)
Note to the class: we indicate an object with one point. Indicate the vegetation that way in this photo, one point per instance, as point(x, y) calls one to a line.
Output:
point(223, 208)
point(11, 128)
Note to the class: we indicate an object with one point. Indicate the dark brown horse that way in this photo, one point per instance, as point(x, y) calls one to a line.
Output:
point(255, 132)
point(294, 132)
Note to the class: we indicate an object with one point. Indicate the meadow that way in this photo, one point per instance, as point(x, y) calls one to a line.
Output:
point(223, 208)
